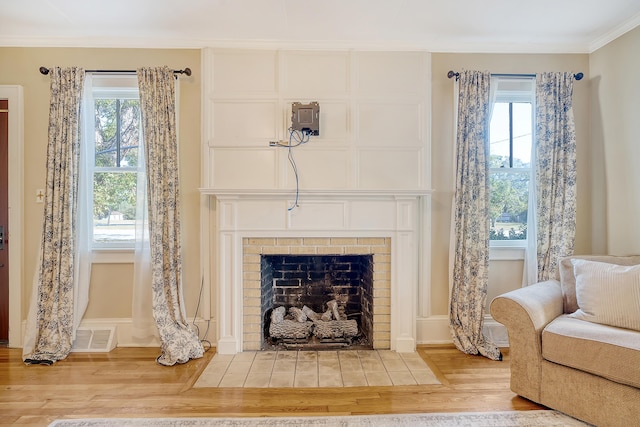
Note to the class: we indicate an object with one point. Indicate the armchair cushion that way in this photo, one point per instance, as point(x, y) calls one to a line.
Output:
point(607, 293)
point(568, 278)
point(606, 351)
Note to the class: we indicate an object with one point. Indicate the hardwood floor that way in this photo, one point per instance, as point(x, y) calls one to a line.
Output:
point(128, 383)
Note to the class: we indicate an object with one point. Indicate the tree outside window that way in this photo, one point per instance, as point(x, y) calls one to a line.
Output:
point(510, 169)
point(115, 174)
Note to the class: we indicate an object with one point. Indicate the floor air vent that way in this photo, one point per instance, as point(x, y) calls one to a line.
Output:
point(98, 339)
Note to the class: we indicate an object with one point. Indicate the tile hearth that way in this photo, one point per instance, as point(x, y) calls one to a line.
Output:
point(301, 369)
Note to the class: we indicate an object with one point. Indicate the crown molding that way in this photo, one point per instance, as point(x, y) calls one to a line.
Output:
point(193, 43)
point(434, 46)
point(618, 31)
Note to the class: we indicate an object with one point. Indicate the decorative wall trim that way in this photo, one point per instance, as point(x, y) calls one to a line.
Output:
point(338, 193)
point(16, 205)
point(199, 43)
point(610, 36)
point(374, 119)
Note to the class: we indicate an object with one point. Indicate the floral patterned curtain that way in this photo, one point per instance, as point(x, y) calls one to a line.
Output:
point(471, 213)
point(555, 171)
point(157, 102)
point(50, 323)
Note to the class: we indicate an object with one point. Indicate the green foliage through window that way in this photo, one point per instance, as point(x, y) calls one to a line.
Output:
point(115, 175)
point(510, 170)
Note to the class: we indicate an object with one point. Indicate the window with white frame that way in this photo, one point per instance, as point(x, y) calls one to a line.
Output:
point(510, 174)
point(113, 143)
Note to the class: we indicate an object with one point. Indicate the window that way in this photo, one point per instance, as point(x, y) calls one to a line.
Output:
point(114, 156)
point(510, 174)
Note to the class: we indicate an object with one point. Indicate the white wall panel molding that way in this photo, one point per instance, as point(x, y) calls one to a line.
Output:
point(390, 74)
point(244, 123)
point(390, 123)
point(242, 73)
point(377, 99)
point(380, 168)
point(313, 162)
point(309, 74)
point(243, 168)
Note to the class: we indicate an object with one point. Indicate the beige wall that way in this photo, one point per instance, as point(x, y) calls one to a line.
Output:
point(608, 183)
point(615, 135)
point(504, 275)
point(110, 283)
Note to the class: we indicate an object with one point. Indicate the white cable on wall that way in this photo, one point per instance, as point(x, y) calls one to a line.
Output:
point(300, 137)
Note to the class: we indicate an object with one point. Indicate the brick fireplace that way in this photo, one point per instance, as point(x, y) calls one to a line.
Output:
point(249, 224)
point(327, 254)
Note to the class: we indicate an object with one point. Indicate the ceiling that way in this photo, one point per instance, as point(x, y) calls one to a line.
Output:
point(550, 26)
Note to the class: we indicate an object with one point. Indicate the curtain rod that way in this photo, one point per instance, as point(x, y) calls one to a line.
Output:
point(450, 74)
point(186, 71)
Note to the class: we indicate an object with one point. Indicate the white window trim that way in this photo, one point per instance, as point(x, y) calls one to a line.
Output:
point(110, 86)
point(503, 250)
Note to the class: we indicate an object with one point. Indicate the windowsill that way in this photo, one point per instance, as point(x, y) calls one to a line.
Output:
point(112, 256)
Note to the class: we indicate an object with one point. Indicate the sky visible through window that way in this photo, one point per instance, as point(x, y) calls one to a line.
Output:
point(510, 170)
point(499, 131)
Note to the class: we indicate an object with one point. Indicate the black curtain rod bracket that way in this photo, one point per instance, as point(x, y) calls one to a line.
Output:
point(186, 71)
point(450, 74)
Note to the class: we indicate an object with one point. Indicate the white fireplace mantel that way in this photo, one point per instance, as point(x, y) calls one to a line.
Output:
point(288, 193)
point(254, 213)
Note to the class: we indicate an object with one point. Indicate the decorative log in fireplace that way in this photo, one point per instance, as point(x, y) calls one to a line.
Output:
point(299, 326)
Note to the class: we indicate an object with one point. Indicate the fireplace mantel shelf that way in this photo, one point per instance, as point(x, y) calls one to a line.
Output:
point(287, 193)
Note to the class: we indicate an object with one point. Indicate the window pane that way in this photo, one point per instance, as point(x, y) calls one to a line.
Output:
point(114, 207)
point(521, 135)
point(509, 192)
point(117, 124)
point(499, 136)
point(106, 132)
point(500, 150)
point(130, 132)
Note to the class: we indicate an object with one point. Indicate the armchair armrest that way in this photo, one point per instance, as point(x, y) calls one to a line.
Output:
point(525, 312)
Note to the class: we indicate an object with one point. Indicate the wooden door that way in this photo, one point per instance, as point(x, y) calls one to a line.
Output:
point(4, 220)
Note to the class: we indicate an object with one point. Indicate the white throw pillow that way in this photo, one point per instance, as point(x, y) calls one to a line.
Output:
point(608, 293)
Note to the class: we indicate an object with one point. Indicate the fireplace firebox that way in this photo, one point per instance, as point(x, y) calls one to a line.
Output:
point(317, 301)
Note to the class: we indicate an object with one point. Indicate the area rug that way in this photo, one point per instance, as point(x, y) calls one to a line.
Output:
point(469, 419)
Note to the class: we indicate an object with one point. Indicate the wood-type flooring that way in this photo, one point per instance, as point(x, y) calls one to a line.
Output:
point(127, 382)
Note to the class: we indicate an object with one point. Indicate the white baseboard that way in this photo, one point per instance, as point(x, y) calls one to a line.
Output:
point(429, 330)
point(126, 338)
point(435, 330)
point(124, 331)
point(496, 332)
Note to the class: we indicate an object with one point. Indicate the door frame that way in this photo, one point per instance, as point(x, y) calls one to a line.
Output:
point(16, 195)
